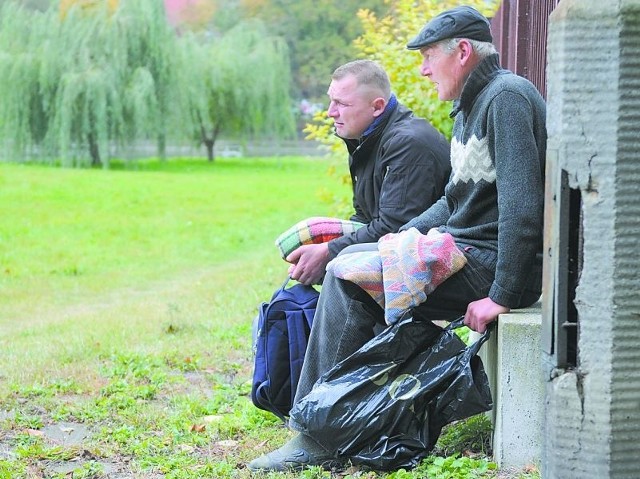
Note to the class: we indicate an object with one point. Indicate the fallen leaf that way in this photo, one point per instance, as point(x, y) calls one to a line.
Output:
point(197, 428)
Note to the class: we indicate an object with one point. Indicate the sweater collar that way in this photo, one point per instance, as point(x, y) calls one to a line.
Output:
point(480, 77)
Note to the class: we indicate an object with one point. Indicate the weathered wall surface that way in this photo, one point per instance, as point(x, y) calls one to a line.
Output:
point(592, 426)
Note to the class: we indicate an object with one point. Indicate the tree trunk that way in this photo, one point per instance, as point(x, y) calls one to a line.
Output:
point(209, 145)
point(94, 150)
point(162, 146)
point(209, 142)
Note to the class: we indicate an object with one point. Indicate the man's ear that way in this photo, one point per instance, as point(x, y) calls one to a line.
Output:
point(464, 51)
point(378, 106)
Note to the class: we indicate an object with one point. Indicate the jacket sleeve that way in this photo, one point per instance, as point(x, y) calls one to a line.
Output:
point(433, 217)
point(359, 214)
point(413, 179)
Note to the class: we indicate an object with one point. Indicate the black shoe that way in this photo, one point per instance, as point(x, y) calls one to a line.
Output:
point(293, 457)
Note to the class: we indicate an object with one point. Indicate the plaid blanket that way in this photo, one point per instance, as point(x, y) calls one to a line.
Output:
point(314, 230)
point(406, 268)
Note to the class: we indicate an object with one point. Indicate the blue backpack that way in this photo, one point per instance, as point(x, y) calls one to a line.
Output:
point(281, 332)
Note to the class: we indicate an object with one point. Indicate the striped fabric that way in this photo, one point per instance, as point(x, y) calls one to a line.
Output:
point(406, 268)
point(314, 230)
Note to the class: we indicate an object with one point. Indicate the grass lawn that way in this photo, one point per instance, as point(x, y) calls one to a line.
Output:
point(126, 302)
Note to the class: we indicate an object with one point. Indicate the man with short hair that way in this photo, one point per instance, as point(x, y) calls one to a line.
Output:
point(399, 163)
point(493, 208)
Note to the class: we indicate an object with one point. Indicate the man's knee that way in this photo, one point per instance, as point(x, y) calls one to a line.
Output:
point(357, 248)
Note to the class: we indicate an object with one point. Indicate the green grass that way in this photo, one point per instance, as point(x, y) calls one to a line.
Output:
point(119, 252)
point(126, 302)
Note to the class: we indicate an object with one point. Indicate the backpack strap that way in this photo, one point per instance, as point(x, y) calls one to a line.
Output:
point(297, 323)
point(284, 285)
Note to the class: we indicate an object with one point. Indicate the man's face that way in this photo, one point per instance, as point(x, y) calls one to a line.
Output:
point(444, 69)
point(351, 107)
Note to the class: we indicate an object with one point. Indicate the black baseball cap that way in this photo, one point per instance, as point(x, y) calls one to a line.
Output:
point(459, 22)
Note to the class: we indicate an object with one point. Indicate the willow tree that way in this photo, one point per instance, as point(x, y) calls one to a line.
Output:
point(23, 121)
point(91, 81)
point(82, 83)
point(239, 85)
point(114, 78)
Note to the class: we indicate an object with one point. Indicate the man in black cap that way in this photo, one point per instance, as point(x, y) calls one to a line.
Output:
point(493, 204)
point(493, 208)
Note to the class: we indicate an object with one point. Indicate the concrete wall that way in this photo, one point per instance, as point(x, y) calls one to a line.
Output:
point(512, 360)
point(592, 423)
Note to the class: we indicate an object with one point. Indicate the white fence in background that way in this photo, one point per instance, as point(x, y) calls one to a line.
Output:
point(231, 149)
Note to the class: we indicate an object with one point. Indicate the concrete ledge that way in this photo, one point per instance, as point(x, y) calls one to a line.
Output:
point(513, 361)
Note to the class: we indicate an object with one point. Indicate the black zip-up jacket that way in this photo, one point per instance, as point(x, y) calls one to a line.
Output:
point(397, 171)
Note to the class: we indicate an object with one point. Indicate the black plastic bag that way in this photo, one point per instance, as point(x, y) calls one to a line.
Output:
point(385, 405)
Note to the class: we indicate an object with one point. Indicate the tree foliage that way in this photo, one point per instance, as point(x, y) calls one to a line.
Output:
point(90, 80)
point(37, 4)
point(22, 100)
point(384, 40)
point(99, 75)
point(87, 5)
point(319, 35)
point(246, 98)
point(114, 79)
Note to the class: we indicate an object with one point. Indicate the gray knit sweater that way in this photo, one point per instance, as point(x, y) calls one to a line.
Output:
point(493, 203)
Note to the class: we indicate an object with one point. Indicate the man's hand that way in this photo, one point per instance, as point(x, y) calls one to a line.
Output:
point(483, 312)
point(308, 263)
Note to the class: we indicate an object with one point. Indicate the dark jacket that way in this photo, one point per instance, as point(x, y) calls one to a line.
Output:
point(397, 172)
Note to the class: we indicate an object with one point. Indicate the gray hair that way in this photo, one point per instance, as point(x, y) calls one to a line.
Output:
point(368, 73)
point(482, 49)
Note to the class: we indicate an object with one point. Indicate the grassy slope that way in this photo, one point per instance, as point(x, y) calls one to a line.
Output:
point(126, 301)
point(108, 255)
